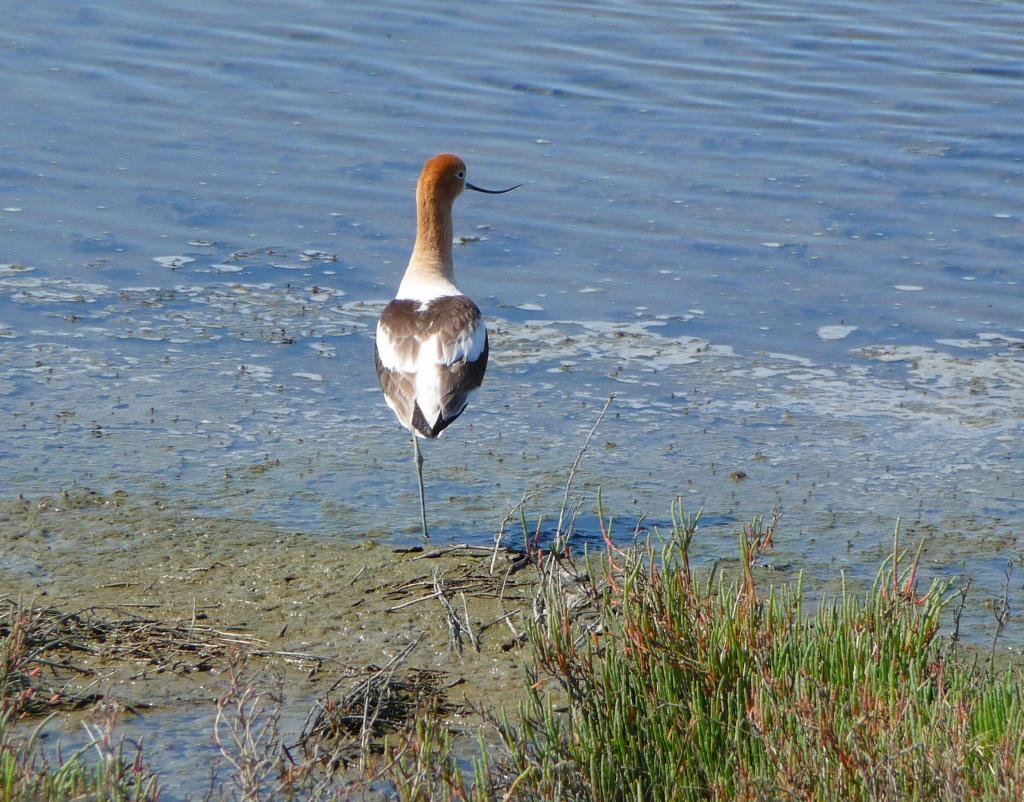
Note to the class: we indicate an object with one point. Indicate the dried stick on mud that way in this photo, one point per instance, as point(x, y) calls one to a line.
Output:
point(450, 616)
point(560, 534)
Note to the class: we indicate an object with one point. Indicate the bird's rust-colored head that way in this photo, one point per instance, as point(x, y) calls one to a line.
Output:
point(443, 178)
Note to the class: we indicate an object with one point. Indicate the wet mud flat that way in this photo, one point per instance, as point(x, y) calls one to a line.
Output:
point(148, 606)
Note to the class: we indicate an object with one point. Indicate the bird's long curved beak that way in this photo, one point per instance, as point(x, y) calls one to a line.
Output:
point(491, 191)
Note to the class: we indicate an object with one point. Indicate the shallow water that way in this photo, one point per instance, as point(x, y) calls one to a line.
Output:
point(789, 236)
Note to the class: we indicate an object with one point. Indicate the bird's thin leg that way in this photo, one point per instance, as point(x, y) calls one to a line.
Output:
point(419, 475)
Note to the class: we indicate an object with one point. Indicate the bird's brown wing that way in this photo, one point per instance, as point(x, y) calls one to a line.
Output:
point(396, 350)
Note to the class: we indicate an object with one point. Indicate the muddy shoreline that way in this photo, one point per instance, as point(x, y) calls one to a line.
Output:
point(312, 610)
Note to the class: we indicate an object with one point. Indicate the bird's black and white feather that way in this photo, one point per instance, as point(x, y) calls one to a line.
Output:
point(431, 355)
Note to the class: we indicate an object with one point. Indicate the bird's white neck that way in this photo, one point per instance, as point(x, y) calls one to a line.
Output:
point(425, 285)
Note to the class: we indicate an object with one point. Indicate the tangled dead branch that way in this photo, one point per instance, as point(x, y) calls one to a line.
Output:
point(360, 709)
point(44, 649)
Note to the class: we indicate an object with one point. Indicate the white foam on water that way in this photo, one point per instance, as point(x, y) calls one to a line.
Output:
point(12, 268)
point(835, 332)
point(173, 262)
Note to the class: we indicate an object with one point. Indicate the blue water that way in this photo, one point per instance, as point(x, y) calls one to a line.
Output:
point(789, 235)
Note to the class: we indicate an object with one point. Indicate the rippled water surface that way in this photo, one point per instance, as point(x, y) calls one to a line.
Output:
point(789, 235)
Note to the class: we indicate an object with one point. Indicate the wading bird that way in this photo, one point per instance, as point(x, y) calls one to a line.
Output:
point(431, 344)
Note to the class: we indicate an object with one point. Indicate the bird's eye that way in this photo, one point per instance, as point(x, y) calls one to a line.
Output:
point(461, 174)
